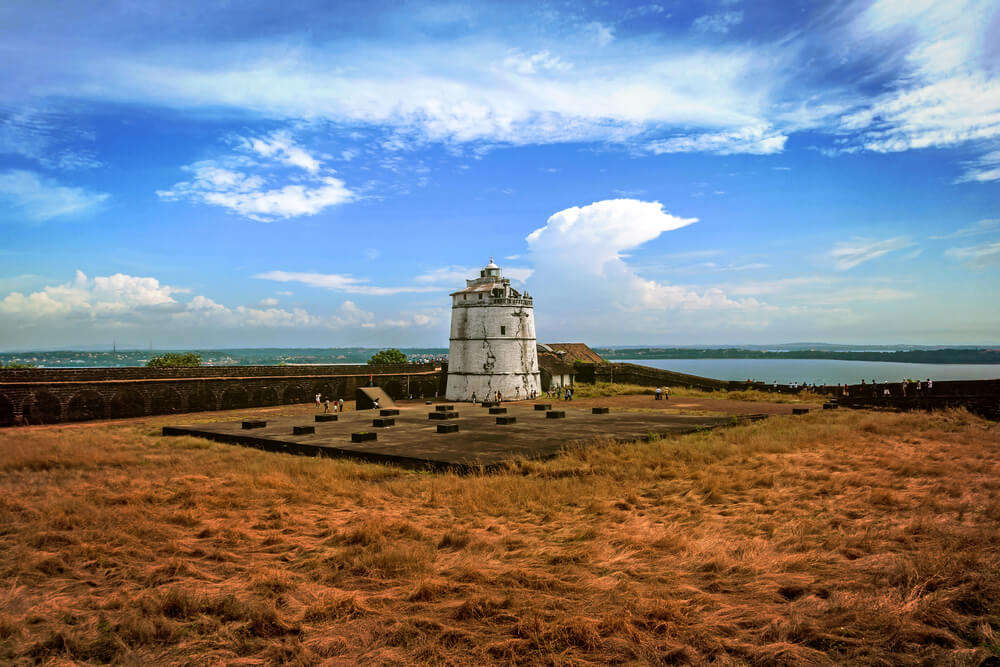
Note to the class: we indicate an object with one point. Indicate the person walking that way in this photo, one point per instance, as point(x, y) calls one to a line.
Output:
point(319, 398)
point(666, 393)
point(340, 402)
point(326, 404)
point(659, 394)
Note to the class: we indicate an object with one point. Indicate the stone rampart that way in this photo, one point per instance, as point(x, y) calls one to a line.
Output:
point(56, 395)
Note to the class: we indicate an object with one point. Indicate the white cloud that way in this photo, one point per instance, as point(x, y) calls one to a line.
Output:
point(101, 297)
point(41, 137)
point(578, 261)
point(281, 147)
point(984, 169)
point(976, 257)
point(35, 198)
point(339, 282)
point(720, 22)
point(269, 301)
point(981, 227)
point(539, 62)
point(121, 300)
point(224, 182)
point(947, 94)
point(757, 140)
point(850, 254)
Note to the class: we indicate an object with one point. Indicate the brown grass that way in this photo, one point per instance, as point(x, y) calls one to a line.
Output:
point(844, 537)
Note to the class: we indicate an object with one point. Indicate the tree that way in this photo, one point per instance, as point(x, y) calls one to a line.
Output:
point(16, 366)
point(388, 357)
point(175, 360)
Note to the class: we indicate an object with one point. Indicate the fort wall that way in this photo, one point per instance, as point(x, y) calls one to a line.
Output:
point(58, 395)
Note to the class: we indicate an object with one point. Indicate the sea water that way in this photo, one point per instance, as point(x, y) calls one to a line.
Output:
point(821, 371)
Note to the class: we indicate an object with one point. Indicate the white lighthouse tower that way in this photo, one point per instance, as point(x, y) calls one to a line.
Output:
point(492, 340)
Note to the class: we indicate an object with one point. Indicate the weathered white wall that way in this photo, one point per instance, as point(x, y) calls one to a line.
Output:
point(481, 360)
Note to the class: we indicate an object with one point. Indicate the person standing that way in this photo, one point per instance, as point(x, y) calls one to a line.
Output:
point(319, 398)
point(666, 393)
point(326, 404)
point(340, 402)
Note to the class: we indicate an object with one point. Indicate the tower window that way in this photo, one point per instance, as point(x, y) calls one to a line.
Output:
point(503, 331)
point(480, 297)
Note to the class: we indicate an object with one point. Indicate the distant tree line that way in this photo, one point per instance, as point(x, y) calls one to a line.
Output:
point(175, 360)
point(939, 356)
point(386, 357)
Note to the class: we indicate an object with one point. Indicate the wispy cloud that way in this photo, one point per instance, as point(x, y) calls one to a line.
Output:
point(981, 227)
point(720, 22)
point(29, 197)
point(340, 282)
point(850, 254)
point(976, 257)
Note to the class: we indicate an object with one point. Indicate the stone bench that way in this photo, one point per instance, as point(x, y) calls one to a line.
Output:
point(447, 428)
point(504, 421)
point(326, 418)
point(442, 415)
point(303, 430)
point(555, 414)
point(383, 421)
point(543, 406)
point(254, 424)
point(364, 436)
point(600, 411)
point(498, 411)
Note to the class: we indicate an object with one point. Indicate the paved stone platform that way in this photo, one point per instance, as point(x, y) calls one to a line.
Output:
point(479, 443)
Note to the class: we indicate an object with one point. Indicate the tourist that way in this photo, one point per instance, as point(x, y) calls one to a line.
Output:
point(319, 398)
point(499, 397)
point(666, 393)
point(375, 404)
point(326, 404)
point(473, 396)
point(659, 394)
point(341, 403)
point(930, 385)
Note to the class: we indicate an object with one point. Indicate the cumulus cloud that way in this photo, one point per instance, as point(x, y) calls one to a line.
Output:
point(260, 196)
point(99, 297)
point(850, 254)
point(339, 282)
point(579, 265)
point(34, 198)
point(122, 301)
point(976, 257)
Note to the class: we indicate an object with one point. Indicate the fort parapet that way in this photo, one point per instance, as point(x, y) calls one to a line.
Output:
point(50, 395)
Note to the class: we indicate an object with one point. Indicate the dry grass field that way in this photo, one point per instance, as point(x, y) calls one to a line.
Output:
point(836, 537)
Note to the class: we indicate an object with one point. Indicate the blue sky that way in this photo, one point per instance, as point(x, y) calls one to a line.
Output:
point(307, 173)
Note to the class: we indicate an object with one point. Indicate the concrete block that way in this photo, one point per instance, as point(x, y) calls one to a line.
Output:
point(600, 411)
point(254, 424)
point(326, 418)
point(503, 421)
point(383, 421)
point(364, 436)
point(543, 406)
point(389, 412)
point(444, 408)
point(555, 414)
point(490, 404)
point(303, 430)
point(442, 415)
point(447, 428)
point(800, 411)
point(498, 411)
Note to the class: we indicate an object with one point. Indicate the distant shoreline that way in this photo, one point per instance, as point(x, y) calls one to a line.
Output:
point(938, 356)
